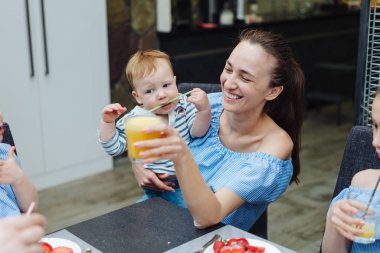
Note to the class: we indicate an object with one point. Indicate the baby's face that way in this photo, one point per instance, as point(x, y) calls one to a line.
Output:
point(157, 88)
point(376, 124)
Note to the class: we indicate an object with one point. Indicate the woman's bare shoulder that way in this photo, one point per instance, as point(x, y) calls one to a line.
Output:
point(366, 178)
point(277, 142)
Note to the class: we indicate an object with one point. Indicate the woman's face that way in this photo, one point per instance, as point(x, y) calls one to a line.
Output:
point(246, 77)
point(376, 123)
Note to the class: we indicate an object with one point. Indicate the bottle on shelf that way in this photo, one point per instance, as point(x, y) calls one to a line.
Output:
point(226, 17)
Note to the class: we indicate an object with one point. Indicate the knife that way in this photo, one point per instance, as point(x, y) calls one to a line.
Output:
point(214, 239)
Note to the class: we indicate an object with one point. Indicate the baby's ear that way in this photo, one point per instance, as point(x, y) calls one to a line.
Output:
point(136, 96)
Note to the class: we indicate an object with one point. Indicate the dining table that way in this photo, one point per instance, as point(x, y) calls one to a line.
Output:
point(153, 225)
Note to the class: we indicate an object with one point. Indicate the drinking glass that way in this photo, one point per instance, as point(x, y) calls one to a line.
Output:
point(133, 130)
point(371, 218)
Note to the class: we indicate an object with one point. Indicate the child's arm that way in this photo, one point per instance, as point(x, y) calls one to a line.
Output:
point(107, 126)
point(202, 121)
point(11, 173)
point(338, 234)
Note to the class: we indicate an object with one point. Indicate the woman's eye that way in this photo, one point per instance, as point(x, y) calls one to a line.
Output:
point(228, 70)
point(245, 79)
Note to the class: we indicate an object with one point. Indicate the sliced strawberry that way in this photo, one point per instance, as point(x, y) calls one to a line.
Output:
point(46, 247)
point(62, 249)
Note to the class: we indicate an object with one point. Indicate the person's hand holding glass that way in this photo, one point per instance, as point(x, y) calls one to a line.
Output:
point(134, 127)
point(366, 223)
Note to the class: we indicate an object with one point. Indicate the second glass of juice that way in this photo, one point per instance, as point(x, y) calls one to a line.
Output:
point(134, 133)
point(371, 219)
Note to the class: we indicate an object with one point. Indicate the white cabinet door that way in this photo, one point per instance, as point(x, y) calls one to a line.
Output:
point(54, 114)
point(77, 86)
point(19, 87)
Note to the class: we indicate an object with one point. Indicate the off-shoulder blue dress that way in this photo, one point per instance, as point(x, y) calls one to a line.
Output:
point(258, 178)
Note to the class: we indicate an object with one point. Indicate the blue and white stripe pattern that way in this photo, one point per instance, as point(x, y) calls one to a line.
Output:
point(358, 192)
point(181, 118)
point(258, 178)
point(8, 201)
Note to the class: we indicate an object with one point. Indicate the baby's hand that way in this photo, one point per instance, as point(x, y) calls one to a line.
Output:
point(199, 98)
point(10, 172)
point(111, 112)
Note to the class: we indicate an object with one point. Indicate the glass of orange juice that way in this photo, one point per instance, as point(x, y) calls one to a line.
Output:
point(371, 219)
point(134, 133)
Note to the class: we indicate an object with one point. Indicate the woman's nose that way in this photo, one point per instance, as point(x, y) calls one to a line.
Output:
point(230, 82)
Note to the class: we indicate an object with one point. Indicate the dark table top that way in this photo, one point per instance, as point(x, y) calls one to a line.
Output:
point(154, 225)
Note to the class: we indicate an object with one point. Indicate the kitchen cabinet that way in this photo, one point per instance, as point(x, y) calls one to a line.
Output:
point(54, 83)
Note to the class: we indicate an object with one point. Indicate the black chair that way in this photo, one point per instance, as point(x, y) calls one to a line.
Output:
point(7, 137)
point(358, 155)
point(260, 227)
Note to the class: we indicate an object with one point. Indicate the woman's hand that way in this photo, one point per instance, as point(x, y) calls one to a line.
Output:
point(150, 180)
point(171, 146)
point(341, 217)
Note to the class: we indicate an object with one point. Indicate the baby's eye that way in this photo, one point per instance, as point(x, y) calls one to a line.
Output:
point(166, 85)
point(149, 91)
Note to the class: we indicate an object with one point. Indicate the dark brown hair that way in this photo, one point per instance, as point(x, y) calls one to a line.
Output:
point(287, 109)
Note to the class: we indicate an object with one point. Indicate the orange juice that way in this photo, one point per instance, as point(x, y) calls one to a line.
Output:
point(134, 133)
point(368, 230)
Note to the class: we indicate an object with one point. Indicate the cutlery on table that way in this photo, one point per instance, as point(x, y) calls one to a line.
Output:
point(370, 199)
point(214, 239)
point(170, 101)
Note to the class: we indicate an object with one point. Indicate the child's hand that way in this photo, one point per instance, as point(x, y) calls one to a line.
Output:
point(10, 172)
point(111, 112)
point(341, 217)
point(199, 98)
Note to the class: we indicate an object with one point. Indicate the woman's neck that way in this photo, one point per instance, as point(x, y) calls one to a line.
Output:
point(243, 123)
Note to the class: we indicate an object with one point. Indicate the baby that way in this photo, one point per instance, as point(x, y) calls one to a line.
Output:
point(150, 74)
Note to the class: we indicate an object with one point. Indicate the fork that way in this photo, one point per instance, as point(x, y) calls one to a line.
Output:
point(216, 237)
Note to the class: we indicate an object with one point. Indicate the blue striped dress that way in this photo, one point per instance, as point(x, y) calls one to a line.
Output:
point(181, 118)
point(358, 192)
point(258, 178)
point(8, 201)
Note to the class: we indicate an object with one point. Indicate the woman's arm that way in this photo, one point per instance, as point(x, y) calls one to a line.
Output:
point(206, 207)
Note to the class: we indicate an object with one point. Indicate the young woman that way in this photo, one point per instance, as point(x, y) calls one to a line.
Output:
point(251, 151)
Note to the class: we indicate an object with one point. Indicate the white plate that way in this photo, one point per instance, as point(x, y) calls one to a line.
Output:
point(269, 248)
point(56, 242)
